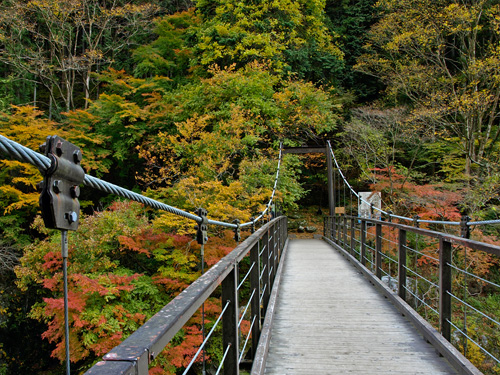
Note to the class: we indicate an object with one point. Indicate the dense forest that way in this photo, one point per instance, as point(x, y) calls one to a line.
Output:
point(188, 102)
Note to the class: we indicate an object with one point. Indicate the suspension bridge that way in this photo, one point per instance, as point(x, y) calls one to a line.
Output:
point(353, 301)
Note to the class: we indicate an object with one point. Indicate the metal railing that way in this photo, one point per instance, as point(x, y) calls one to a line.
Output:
point(465, 224)
point(60, 167)
point(264, 248)
point(432, 272)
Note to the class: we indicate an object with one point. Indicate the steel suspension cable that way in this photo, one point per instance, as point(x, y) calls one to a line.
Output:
point(346, 183)
point(43, 163)
point(274, 190)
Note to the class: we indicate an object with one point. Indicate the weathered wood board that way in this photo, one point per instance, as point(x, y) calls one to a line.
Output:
point(330, 320)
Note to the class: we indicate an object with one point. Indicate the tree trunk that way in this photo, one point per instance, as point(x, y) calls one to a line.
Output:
point(34, 96)
point(87, 87)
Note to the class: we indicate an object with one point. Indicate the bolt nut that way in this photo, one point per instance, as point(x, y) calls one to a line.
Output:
point(75, 191)
point(57, 186)
point(77, 156)
point(72, 217)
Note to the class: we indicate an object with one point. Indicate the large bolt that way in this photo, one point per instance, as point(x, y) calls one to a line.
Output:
point(57, 186)
point(75, 191)
point(77, 156)
point(72, 217)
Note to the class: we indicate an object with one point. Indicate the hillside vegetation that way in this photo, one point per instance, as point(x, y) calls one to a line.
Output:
point(188, 102)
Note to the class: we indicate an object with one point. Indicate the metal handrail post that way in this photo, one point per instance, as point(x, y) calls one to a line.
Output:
point(272, 253)
point(344, 230)
point(363, 242)
point(230, 331)
point(445, 284)
point(402, 264)
point(255, 288)
point(353, 236)
point(378, 250)
point(266, 281)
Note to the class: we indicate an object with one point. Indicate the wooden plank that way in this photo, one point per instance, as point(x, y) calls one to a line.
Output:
point(442, 346)
point(342, 327)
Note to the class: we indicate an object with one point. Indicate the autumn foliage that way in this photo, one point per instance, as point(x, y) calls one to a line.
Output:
point(121, 271)
point(189, 102)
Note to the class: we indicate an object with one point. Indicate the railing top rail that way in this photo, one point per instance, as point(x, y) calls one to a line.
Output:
point(150, 339)
point(476, 245)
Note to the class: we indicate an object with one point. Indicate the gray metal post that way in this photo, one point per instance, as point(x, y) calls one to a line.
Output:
point(230, 332)
point(255, 288)
point(402, 264)
point(344, 231)
point(445, 288)
point(272, 250)
point(331, 195)
point(353, 236)
point(378, 250)
point(64, 251)
point(363, 242)
point(266, 281)
point(464, 227)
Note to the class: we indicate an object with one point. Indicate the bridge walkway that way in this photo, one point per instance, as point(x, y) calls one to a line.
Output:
point(331, 320)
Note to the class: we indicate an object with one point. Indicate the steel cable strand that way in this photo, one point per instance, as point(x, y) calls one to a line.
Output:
point(484, 222)
point(24, 154)
point(122, 192)
point(347, 183)
point(397, 216)
point(273, 192)
point(42, 162)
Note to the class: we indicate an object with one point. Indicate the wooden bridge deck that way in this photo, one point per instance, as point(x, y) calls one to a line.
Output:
point(343, 327)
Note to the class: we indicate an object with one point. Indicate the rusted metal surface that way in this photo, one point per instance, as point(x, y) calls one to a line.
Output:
point(60, 187)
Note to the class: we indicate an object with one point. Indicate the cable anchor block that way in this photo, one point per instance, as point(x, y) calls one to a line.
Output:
point(237, 231)
point(202, 227)
point(60, 187)
point(464, 226)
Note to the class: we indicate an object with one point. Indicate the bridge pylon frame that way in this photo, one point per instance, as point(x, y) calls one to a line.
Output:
point(329, 165)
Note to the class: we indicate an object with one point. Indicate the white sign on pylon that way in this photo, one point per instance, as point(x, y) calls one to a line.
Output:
point(367, 199)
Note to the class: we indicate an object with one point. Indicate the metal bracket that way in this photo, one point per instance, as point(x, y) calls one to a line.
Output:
point(202, 228)
point(60, 186)
point(237, 231)
point(464, 227)
point(416, 218)
point(389, 216)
